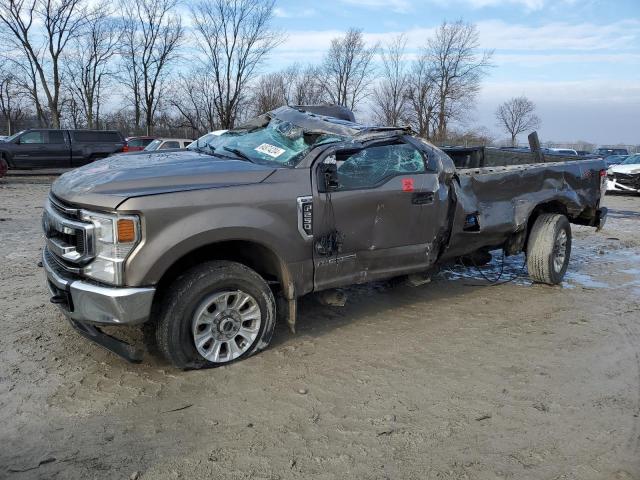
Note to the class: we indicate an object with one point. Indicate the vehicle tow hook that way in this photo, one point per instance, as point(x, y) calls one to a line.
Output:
point(58, 299)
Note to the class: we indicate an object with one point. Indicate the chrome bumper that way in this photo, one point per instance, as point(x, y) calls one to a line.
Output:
point(87, 302)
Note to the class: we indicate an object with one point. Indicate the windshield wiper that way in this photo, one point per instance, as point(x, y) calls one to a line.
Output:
point(210, 149)
point(239, 153)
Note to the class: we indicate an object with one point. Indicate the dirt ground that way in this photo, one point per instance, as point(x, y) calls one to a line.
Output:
point(455, 379)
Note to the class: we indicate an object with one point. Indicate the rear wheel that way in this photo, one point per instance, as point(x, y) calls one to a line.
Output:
point(549, 248)
point(215, 314)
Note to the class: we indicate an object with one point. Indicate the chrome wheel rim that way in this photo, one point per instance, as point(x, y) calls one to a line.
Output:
point(225, 325)
point(560, 251)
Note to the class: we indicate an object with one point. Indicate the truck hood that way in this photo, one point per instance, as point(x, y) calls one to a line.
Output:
point(627, 169)
point(107, 183)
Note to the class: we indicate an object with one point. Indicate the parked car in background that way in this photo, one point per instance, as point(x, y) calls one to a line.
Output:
point(625, 177)
point(563, 151)
point(205, 139)
point(3, 138)
point(606, 151)
point(49, 148)
point(615, 159)
point(167, 144)
point(137, 144)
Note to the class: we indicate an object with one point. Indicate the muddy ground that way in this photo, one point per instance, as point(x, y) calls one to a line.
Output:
point(451, 380)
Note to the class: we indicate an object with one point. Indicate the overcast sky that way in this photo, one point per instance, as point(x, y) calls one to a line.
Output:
point(579, 60)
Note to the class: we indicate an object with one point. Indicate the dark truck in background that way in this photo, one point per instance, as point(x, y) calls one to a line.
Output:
point(205, 247)
point(49, 148)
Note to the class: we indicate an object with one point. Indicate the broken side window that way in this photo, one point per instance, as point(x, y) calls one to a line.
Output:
point(372, 166)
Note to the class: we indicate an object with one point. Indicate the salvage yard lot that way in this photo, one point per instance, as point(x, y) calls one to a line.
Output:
point(454, 379)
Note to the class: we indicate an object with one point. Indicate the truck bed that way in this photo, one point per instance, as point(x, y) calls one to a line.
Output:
point(494, 203)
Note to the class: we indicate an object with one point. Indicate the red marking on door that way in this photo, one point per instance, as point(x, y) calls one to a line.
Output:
point(407, 184)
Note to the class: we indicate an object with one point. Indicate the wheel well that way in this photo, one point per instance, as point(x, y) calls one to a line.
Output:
point(254, 255)
point(549, 207)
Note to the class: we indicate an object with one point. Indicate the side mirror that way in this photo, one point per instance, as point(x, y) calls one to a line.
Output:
point(328, 175)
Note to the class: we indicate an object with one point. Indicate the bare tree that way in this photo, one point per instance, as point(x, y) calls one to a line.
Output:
point(423, 97)
point(235, 37)
point(458, 68)
point(295, 85)
point(305, 85)
point(193, 96)
point(73, 112)
point(42, 29)
point(391, 94)
point(270, 92)
point(12, 105)
point(89, 66)
point(151, 36)
point(516, 116)
point(25, 78)
point(348, 69)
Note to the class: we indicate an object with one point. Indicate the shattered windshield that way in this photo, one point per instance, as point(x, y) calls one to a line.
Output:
point(279, 142)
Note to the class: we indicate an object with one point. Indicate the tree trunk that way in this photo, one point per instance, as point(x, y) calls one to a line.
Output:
point(442, 125)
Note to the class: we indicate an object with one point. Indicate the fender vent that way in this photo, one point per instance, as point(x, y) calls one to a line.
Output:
point(305, 217)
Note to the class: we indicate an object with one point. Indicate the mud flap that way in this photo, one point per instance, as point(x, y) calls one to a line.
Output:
point(106, 341)
point(286, 310)
point(601, 218)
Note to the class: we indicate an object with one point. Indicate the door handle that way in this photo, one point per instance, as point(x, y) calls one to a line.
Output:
point(422, 198)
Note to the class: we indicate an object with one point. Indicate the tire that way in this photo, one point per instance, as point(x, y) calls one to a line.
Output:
point(549, 248)
point(6, 160)
point(227, 306)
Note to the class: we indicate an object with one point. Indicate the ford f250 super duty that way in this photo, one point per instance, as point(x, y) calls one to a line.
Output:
point(205, 247)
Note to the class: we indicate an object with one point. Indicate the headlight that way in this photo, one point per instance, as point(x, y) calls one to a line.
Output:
point(115, 236)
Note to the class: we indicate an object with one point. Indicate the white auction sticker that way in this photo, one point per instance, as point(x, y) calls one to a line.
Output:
point(270, 150)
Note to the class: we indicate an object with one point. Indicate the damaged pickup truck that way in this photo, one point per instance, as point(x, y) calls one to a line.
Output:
point(205, 247)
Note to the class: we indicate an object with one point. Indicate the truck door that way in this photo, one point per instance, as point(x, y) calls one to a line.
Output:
point(381, 218)
point(58, 149)
point(30, 150)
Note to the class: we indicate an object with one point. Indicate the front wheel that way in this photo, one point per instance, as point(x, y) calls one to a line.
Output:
point(215, 314)
point(549, 248)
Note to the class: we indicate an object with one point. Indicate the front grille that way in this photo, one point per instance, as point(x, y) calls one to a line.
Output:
point(62, 208)
point(58, 266)
point(79, 241)
point(76, 239)
point(631, 181)
point(69, 239)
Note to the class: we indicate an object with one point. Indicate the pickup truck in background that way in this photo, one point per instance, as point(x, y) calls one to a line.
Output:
point(48, 148)
point(206, 247)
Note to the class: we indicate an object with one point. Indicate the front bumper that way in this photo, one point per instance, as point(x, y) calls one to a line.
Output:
point(88, 302)
point(613, 185)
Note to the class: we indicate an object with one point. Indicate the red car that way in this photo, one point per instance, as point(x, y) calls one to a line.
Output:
point(136, 144)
